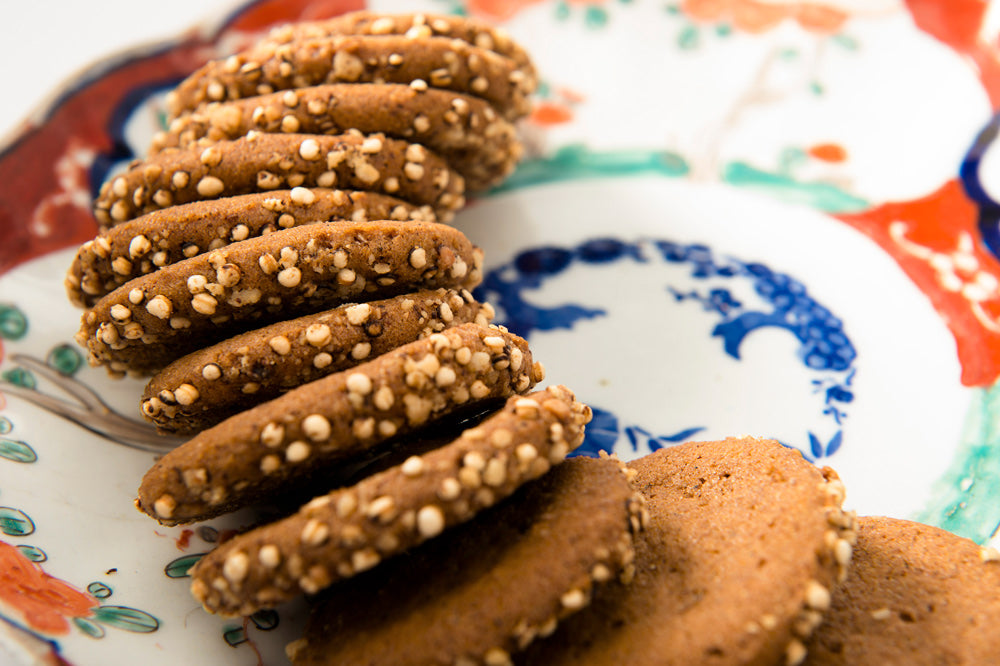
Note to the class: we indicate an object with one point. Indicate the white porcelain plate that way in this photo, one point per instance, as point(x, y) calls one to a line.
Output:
point(775, 219)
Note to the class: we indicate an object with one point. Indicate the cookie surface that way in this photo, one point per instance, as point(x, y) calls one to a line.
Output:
point(262, 162)
point(260, 365)
point(416, 26)
point(333, 419)
point(485, 589)
point(152, 320)
point(439, 62)
point(915, 595)
point(463, 129)
point(745, 539)
point(163, 237)
point(349, 530)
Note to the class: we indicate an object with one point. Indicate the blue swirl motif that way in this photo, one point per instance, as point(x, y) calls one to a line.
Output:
point(989, 210)
point(823, 345)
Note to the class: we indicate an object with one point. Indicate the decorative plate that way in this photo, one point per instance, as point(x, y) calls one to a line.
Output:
point(773, 218)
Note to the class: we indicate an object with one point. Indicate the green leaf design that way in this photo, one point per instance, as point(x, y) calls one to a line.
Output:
point(90, 628)
point(20, 377)
point(33, 553)
point(824, 196)
point(234, 636)
point(790, 158)
point(577, 161)
point(846, 41)
point(129, 619)
point(689, 37)
point(180, 568)
point(99, 590)
point(5, 425)
point(595, 17)
point(64, 358)
point(14, 522)
point(265, 620)
point(13, 323)
point(16, 450)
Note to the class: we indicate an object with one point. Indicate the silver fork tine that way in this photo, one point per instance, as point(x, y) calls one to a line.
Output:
point(94, 414)
point(81, 392)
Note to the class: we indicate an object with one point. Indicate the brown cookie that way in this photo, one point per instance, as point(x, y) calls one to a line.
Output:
point(463, 129)
point(744, 542)
point(484, 590)
point(333, 419)
point(915, 595)
point(164, 237)
point(349, 530)
point(467, 29)
point(438, 62)
point(152, 320)
point(260, 365)
point(261, 162)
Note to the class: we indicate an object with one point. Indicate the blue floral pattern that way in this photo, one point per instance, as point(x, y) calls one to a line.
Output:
point(824, 347)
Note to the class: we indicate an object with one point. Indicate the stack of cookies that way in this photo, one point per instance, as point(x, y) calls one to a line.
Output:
point(280, 265)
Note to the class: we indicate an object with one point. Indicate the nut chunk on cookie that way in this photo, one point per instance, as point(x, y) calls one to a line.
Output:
point(349, 530)
point(152, 320)
point(150, 242)
point(260, 365)
point(484, 590)
point(745, 540)
point(334, 419)
point(261, 162)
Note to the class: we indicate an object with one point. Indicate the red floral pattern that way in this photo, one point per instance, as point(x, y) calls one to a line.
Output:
point(43, 601)
point(756, 17)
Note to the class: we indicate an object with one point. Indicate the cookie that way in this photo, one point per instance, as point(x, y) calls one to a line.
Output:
point(154, 319)
point(350, 530)
point(260, 365)
point(261, 162)
point(464, 130)
point(438, 62)
point(163, 237)
point(417, 26)
point(333, 419)
point(915, 595)
point(745, 541)
point(484, 590)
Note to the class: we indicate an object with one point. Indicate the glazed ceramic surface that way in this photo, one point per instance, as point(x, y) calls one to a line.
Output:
point(777, 219)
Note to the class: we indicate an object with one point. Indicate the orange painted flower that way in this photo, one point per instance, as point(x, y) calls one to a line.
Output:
point(43, 601)
point(758, 16)
point(502, 10)
point(498, 10)
point(828, 152)
point(548, 113)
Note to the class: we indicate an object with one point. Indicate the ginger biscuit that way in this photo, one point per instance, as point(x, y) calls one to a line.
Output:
point(437, 62)
point(745, 541)
point(333, 419)
point(485, 589)
point(915, 595)
point(463, 129)
point(154, 319)
point(163, 237)
point(260, 365)
point(262, 162)
point(415, 26)
point(340, 534)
